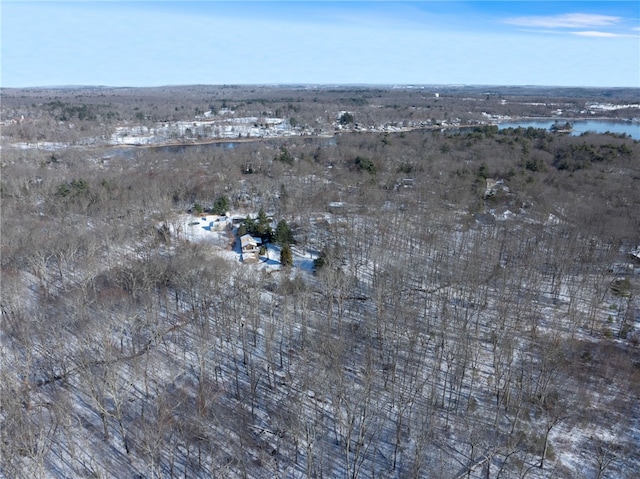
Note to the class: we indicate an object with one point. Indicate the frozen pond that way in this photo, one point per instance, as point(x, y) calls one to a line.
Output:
point(631, 128)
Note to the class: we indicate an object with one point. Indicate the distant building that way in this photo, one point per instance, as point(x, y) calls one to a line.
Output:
point(405, 183)
point(494, 187)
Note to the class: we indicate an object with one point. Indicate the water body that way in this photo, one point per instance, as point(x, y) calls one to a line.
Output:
point(224, 145)
point(129, 151)
point(631, 128)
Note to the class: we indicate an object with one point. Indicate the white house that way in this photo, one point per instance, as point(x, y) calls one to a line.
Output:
point(250, 248)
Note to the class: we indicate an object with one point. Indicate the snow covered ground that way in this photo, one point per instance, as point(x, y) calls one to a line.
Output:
point(219, 232)
point(371, 364)
point(203, 130)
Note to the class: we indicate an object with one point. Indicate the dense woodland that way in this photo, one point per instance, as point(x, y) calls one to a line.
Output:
point(473, 310)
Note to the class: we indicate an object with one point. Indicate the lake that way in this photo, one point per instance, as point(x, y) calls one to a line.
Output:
point(631, 128)
point(275, 142)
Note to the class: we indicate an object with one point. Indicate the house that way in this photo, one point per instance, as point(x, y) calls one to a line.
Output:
point(250, 247)
point(335, 206)
point(404, 183)
point(494, 187)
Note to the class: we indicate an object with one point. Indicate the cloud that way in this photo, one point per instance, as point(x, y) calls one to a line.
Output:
point(597, 34)
point(567, 20)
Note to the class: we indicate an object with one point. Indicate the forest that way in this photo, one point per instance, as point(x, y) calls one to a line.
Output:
point(457, 300)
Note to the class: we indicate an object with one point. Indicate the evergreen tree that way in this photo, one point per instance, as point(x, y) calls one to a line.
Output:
point(285, 156)
point(263, 226)
point(286, 256)
point(221, 205)
point(283, 235)
point(320, 261)
point(346, 118)
point(197, 209)
point(249, 226)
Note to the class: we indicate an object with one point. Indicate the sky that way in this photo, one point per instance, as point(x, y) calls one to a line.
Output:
point(153, 43)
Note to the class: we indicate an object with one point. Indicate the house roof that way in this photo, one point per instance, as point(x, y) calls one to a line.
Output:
point(248, 240)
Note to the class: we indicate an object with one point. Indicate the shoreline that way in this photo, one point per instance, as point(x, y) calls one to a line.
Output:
point(52, 146)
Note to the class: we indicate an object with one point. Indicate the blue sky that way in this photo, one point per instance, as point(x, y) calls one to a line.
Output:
point(150, 43)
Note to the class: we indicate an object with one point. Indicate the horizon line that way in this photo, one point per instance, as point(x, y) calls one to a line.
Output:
point(312, 85)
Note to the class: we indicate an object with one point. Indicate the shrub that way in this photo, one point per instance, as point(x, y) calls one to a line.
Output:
point(483, 171)
point(164, 234)
point(365, 164)
point(77, 187)
point(197, 209)
point(405, 168)
point(535, 165)
point(63, 190)
point(625, 330)
point(284, 156)
point(621, 287)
